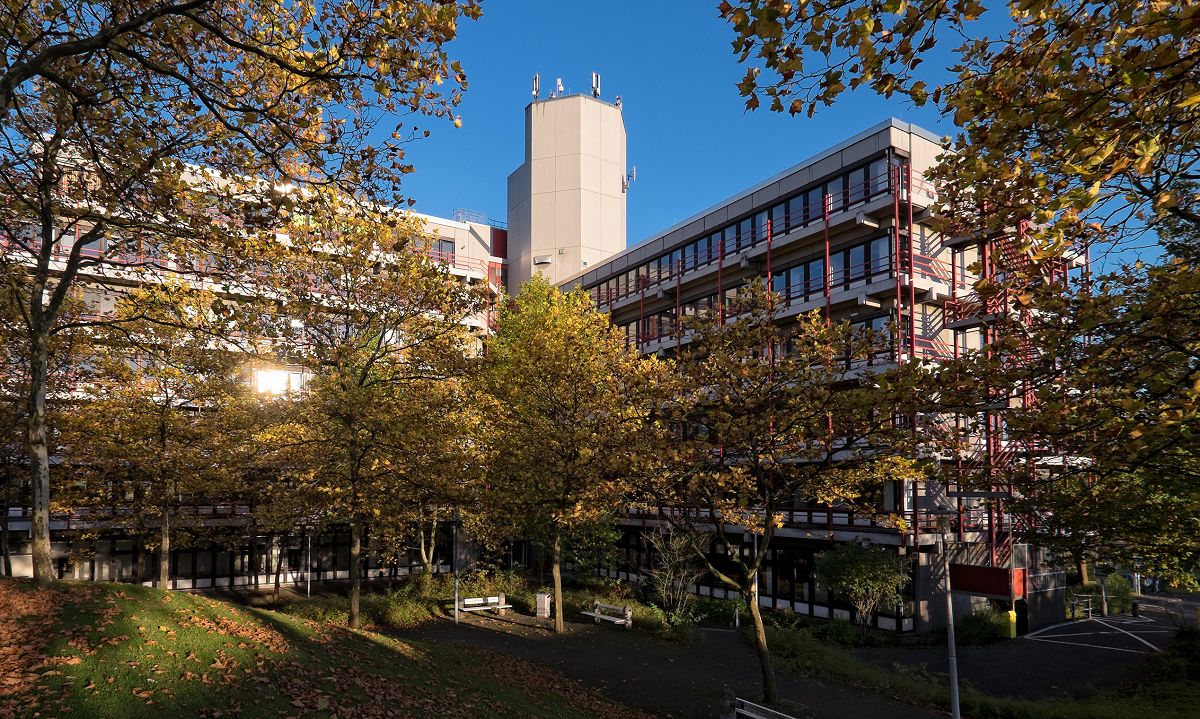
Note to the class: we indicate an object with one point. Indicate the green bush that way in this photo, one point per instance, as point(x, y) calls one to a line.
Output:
point(981, 627)
point(1120, 593)
point(1117, 588)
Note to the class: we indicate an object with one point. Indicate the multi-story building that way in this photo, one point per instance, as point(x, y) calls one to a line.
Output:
point(847, 233)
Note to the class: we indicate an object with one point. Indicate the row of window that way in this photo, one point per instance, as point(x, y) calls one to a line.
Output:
point(860, 263)
point(851, 188)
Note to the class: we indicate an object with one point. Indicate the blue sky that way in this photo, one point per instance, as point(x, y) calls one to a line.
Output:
point(671, 62)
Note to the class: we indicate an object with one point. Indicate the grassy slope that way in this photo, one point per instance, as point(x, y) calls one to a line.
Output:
point(115, 650)
point(1171, 690)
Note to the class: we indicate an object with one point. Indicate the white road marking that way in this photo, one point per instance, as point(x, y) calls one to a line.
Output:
point(1081, 644)
point(1143, 641)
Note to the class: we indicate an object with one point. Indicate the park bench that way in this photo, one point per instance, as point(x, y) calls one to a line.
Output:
point(610, 613)
point(733, 707)
point(479, 604)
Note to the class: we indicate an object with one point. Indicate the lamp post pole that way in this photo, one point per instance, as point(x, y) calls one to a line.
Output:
point(454, 562)
point(955, 713)
point(308, 565)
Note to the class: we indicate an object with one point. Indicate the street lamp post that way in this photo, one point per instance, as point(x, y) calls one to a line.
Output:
point(454, 562)
point(943, 540)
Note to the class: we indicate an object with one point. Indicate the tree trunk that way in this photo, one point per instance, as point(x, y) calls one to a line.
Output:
point(279, 567)
point(556, 572)
point(39, 458)
point(425, 583)
point(355, 568)
point(5, 551)
point(164, 555)
point(770, 694)
point(1081, 565)
point(139, 560)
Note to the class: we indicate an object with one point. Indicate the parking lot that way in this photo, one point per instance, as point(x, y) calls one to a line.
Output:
point(1143, 634)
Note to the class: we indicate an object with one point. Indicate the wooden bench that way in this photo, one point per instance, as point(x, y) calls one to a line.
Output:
point(734, 708)
point(479, 604)
point(610, 613)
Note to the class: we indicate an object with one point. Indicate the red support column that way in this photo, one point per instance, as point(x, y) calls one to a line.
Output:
point(678, 310)
point(720, 279)
point(895, 178)
point(912, 285)
point(826, 201)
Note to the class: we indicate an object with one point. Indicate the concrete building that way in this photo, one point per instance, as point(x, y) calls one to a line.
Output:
point(847, 232)
point(566, 202)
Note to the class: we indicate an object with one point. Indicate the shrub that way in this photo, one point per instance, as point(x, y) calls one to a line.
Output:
point(981, 627)
point(1120, 593)
point(867, 577)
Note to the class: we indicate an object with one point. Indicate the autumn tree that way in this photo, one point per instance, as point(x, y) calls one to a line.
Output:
point(767, 415)
point(434, 479)
point(371, 321)
point(1076, 132)
point(153, 138)
point(570, 400)
point(152, 429)
point(870, 577)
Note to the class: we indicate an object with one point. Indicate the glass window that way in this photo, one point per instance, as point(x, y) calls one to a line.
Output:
point(837, 269)
point(779, 223)
point(796, 282)
point(814, 204)
point(676, 259)
point(816, 277)
point(879, 176)
point(837, 188)
point(760, 226)
point(858, 262)
point(730, 240)
point(779, 282)
point(881, 259)
point(857, 189)
point(745, 233)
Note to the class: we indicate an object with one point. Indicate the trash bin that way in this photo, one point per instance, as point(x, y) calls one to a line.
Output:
point(1012, 624)
point(1134, 609)
point(541, 605)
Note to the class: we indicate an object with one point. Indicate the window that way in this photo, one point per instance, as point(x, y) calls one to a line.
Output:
point(856, 186)
point(814, 204)
point(837, 190)
point(779, 219)
point(837, 270)
point(796, 282)
point(760, 227)
point(779, 283)
point(745, 236)
point(858, 262)
point(881, 255)
point(730, 240)
point(879, 176)
point(816, 277)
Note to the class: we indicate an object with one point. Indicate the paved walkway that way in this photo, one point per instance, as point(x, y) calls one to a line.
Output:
point(669, 679)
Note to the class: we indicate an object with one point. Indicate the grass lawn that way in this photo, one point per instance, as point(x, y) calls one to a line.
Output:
point(108, 650)
point(1168, 689)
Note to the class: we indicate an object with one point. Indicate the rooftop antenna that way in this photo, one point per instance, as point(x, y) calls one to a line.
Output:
point(618, 102)
point(629, 179)
point(537, 85)
point(558, 88)
point(595, 84)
